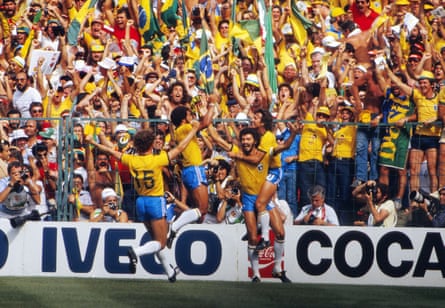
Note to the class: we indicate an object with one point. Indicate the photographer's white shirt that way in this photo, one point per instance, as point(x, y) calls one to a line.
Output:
point(389, 221)
point(325, 212)
point(4, 211)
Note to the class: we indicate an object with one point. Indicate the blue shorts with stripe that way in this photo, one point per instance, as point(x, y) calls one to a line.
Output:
point(275, 175)
point(150, 208)
point(249, 203)
point(194, 176)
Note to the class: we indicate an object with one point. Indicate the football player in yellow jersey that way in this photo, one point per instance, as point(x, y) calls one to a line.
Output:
point(263, 123)
point(425, 140)
point(193, 172)
point(252, 176)
point(146, 169)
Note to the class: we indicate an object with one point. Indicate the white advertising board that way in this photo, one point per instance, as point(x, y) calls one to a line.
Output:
point(340, 255)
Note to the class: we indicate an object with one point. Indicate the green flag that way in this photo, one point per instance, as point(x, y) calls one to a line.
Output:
point(269, 58)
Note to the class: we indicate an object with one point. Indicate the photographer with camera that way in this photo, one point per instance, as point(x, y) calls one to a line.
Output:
point(382, 211)
point(230, 207)
point(109, 211)
point(318, 212)
point(53, 35)
point(437, 219)
point(218, 173)
point(17, 191)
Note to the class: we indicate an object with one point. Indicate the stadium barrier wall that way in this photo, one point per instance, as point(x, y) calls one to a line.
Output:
point(335, 255)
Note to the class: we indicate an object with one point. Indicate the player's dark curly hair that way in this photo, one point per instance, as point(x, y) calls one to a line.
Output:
point(143, 140)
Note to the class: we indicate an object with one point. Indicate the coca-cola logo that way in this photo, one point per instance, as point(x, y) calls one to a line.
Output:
point(267, 253)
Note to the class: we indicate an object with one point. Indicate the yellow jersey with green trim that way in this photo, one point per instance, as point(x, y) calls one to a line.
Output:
point(427, 110)
point(192, 154)
point(267, 143)
point(251, 176)
point(312, 140)
point(147, 172)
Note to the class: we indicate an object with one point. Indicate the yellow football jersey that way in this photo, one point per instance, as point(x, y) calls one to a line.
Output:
point(147, 172)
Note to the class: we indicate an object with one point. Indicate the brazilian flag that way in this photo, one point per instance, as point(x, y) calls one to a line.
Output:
point(205, 64)
point(148, 24)
point(74, 27)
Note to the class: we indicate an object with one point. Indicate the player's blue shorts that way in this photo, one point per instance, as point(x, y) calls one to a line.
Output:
point(193, 176)
point(275, 175)
point(249, 203)
point(150, 208)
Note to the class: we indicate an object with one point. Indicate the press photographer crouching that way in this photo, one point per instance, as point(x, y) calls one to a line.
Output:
point(16, 192)
point(382, 211)
point(436, 217)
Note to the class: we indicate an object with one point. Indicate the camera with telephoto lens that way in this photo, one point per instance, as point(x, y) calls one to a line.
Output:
point(420, 196)
point(19, 221)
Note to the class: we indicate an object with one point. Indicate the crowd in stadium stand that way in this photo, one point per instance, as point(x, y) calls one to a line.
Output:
point(354, 90)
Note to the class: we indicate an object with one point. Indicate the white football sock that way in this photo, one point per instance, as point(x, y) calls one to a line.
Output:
point(147, 248)
point(163, 257)
point(254, 263)
point(187, 217)
point(264, 220)
point(278, 248)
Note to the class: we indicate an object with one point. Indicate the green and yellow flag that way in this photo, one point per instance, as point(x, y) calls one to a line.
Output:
point(170, 18)
point(299, 23)
point(74, 27)
point(148, 24)
point(205, 65)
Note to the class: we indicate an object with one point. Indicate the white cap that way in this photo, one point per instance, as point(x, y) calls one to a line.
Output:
point(242, 118)
point(126, 61)
point(18, 134)
point(329, 41)
point(121, 128)
point(318, 50)
point(108, 192)
point(107, 63)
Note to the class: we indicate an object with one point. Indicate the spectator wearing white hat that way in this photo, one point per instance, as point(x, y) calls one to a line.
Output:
point(16, 64)
point(109, 210)
point(19, 139)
